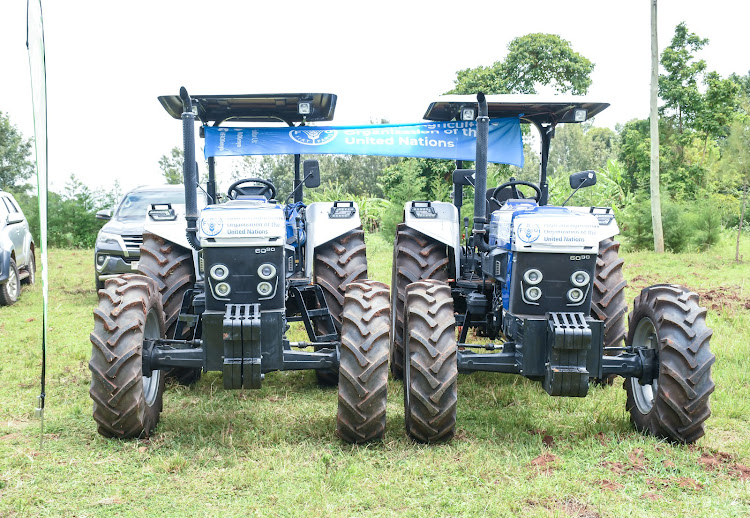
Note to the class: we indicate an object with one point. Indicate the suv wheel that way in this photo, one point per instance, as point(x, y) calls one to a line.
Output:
point(10, 290)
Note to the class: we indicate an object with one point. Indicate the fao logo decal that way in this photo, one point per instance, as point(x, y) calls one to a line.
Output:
point(311, 137)
point(528, 232)
point(211, 226)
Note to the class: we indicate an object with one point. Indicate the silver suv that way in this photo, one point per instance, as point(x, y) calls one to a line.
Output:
point(118, 245)
point(17, 263)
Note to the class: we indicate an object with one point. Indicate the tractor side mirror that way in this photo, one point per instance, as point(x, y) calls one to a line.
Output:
point(105, 214)
point(311, 173)
point(582, 179)
point(463, 176)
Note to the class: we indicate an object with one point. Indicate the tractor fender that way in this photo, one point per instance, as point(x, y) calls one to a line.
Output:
point(326, 221)
point(608, 227)
point(442, 226)
point(174, 232)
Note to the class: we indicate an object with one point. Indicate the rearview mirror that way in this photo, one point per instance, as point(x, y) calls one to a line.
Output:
point(311, 173)
point(105, 214)
point(582, 179)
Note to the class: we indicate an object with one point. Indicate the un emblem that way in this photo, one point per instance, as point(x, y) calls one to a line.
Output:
point(528, 232)
point(312, 137)
point(211, 226)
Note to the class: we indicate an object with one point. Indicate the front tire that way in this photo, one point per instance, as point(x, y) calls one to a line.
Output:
point(416, 257)
point(12, 288)
point(431, 374)
point(675, 406)
point(363, 371)
point(338, 263)
point(126, 403)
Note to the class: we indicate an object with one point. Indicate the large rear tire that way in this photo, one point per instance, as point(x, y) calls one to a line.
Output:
point(338, 263)
point(416, 257)
point(363, 371)
point(126, 403)
point(608, 296)
point(171, 266)
point(675, 406)
point(430, 379)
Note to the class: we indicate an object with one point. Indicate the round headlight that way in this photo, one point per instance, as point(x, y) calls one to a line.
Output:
point(575, 295)
point(219, 272)
point(266, 271)
point(580, 278)
point(532, 276)
point(265, 288)
point(222, 289)
point(534, 293)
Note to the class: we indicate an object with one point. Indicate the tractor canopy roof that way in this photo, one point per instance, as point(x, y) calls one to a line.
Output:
point(537, 109)
point(255, 107)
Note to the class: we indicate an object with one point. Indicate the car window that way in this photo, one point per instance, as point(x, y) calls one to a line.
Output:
point(10, 206)
point(3, 210)
point(137, 203)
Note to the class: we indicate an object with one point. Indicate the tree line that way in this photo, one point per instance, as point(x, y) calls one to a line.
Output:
point(704, 132)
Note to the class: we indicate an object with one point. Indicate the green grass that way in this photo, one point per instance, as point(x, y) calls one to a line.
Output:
point(273, 451)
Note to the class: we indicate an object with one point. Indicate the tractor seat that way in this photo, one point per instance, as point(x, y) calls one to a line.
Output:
point(505, 194)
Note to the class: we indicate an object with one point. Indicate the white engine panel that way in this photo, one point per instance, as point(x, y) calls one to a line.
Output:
point(242, 223)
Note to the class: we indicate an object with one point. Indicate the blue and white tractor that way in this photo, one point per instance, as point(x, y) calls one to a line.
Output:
point(541, 289)
point(219, 287)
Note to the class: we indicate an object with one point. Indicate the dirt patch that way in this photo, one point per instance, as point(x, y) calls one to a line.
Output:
point(609, 485)
point(727, 299)
point(723, 462)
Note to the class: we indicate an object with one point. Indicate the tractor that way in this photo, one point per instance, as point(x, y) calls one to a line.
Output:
point(218, 288)
point(540, 287)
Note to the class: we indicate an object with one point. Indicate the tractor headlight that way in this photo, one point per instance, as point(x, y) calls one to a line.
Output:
point(219, 272)
point(534, 293)
point(580, 278)
point(575, 295)
point(266, 271)
point(533, 276)
point(222, 289)
point(265, 289)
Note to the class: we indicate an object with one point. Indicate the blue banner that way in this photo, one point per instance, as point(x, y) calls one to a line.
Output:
point(455, 140)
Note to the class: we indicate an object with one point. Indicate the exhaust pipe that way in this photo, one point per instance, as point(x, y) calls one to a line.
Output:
point(189, 169)
point(480, 181)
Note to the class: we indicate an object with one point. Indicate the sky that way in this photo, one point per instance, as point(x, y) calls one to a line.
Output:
point(107, 63)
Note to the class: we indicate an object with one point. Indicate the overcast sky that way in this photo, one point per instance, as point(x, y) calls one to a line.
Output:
point(108, 61)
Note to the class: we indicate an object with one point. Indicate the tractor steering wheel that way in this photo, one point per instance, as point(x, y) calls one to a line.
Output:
point(516, 194)
point(238, 188)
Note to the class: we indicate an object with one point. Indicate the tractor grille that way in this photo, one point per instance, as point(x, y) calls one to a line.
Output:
point(133, 243)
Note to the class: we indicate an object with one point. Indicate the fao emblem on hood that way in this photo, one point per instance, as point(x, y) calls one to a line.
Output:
point(528, 232)
point(312, 137)
point(211, 226)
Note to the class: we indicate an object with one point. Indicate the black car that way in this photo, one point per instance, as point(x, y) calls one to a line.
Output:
point(17, 262)
point(119, 241)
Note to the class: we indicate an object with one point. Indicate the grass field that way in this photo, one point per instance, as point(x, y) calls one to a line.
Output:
point(273, 451)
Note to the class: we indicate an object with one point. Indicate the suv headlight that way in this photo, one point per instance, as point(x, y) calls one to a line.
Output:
point(105, 238)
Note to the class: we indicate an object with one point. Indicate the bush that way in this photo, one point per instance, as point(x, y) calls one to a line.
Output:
point(681, 224)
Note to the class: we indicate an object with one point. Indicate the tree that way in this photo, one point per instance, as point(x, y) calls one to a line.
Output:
point(15, 152)
point(171, 166)
point(737, 160)
point(533, 60)
point(678, 87)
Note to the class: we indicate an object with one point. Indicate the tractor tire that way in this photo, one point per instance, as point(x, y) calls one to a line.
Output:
point(126, 403)
point(363, 370)
point(676, 405)
point(10, 291)
point(608, 296)
point(431, 372)
point(171, 266)
point(30, 279)
point(416, 257)
point(336, 264)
